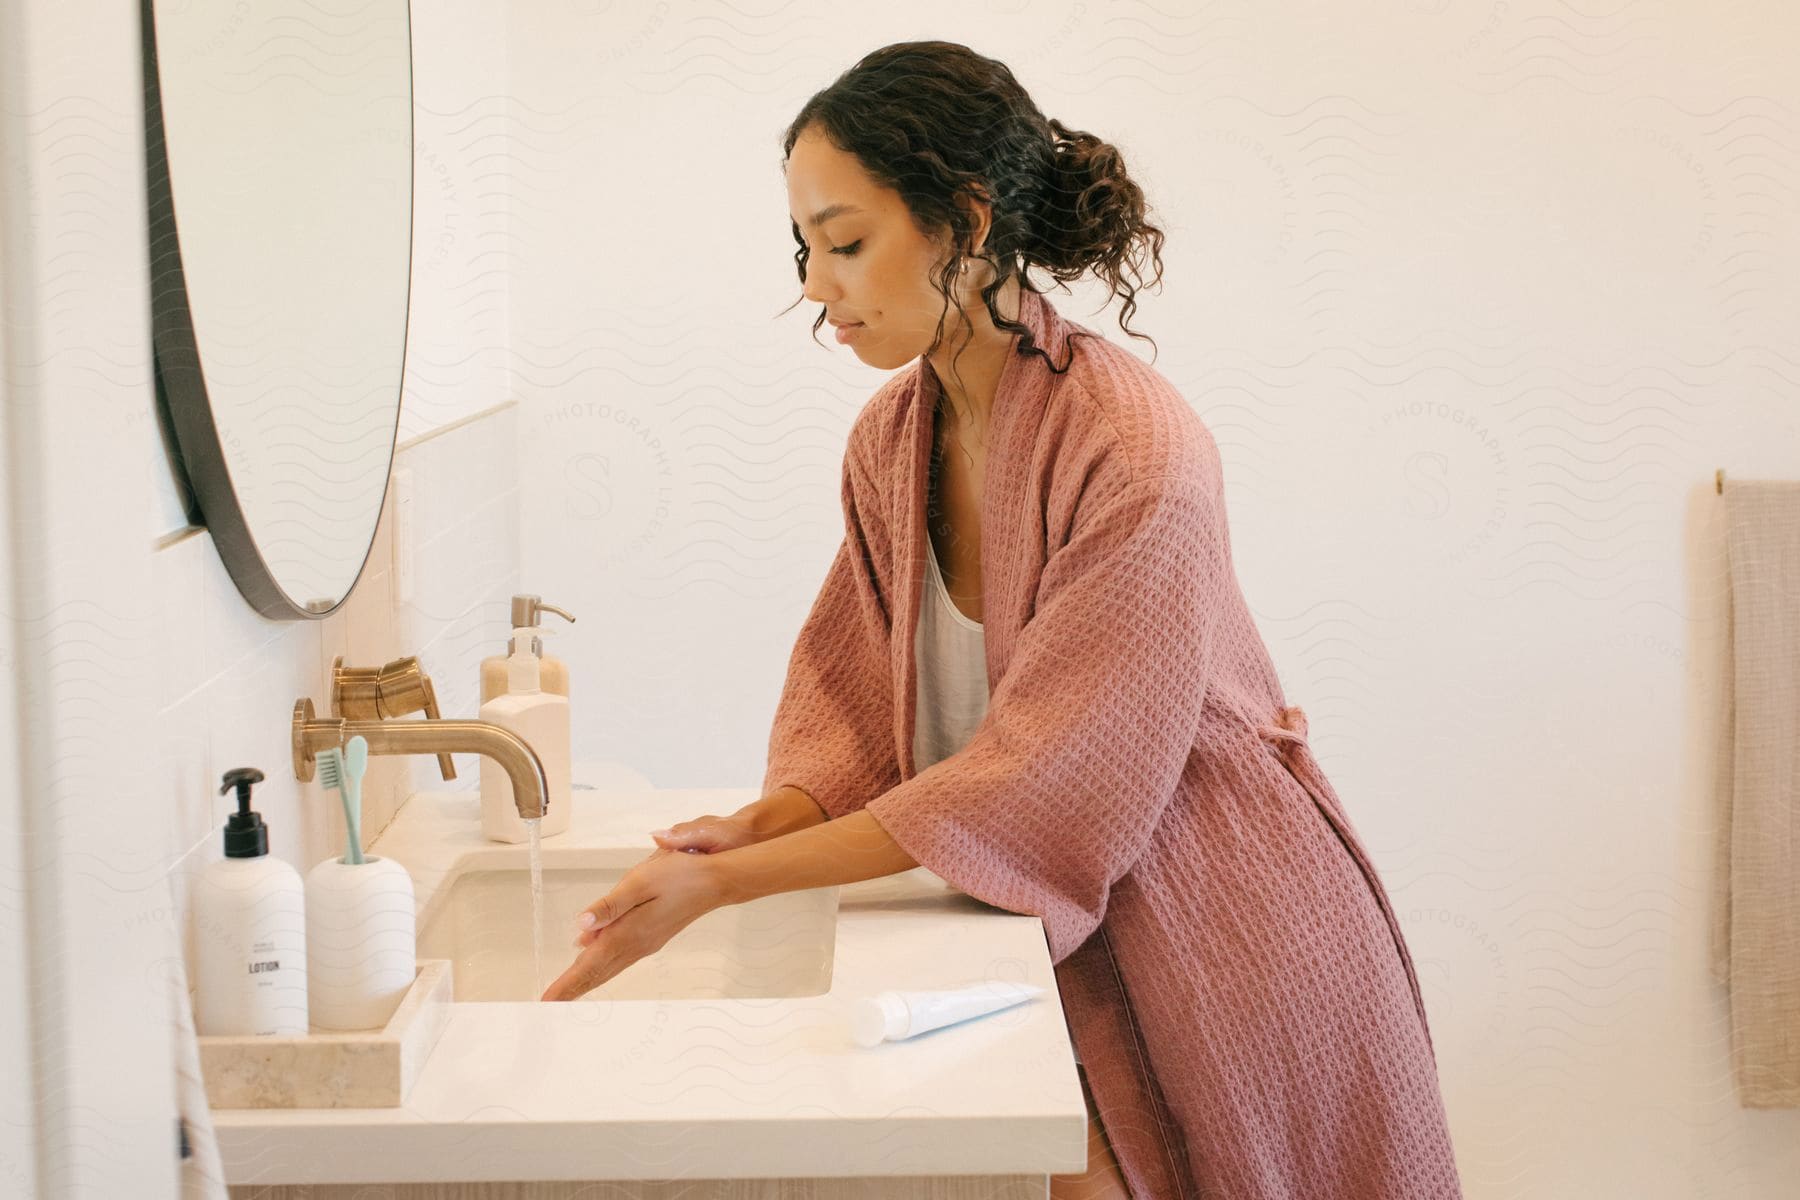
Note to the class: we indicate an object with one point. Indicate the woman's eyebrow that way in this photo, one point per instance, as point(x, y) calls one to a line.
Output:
point(829, 211)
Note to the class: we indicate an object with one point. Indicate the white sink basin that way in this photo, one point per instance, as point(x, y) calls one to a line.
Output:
point(479, 917)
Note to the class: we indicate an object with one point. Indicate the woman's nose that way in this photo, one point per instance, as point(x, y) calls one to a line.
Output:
point(818, 287)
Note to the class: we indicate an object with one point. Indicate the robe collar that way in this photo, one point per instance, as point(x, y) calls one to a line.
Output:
point(1011, 558)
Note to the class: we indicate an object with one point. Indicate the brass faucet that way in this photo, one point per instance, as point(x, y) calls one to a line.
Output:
point(364, 700)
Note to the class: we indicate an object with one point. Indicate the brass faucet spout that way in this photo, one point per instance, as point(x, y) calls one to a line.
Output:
point(530, 788)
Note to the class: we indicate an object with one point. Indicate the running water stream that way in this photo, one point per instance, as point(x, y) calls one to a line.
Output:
point(538, 983)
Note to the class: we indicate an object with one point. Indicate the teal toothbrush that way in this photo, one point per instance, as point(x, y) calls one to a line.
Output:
point(356, 761)
point(343, 770)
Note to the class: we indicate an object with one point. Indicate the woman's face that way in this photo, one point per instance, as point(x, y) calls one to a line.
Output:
point(867, 261)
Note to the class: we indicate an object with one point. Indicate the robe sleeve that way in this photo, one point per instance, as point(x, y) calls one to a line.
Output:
point(1061, 786)
point(833, 734)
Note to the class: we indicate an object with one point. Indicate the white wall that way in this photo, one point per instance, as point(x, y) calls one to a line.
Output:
point(138, 672)
point(87, 825)
point(18, 1129)
point(1475, 297)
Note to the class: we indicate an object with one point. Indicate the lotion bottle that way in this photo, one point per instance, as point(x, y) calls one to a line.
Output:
point(527, 625)
point(249, 932)
point(542, 719)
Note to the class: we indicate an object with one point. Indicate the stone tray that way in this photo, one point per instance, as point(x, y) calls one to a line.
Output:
point(328, 1069)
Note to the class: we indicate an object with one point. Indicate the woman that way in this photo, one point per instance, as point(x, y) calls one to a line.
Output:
point(1051, 692)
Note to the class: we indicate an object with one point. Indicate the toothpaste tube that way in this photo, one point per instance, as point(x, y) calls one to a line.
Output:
point(893, 1016)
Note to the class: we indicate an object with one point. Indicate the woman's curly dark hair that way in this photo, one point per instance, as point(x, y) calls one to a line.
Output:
point(933, 120)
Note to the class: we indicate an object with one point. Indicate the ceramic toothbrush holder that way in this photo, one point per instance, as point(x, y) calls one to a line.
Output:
point(361, 943)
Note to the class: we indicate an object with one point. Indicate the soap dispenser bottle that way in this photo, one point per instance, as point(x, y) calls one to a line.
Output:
point(542, 719)
point(249, 931)
point(527, 621)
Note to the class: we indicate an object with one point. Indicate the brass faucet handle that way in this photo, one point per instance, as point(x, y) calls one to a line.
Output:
point(355, 691)
point(377, 693)
point(397, 689)
point(405, 689)
point(431, 712)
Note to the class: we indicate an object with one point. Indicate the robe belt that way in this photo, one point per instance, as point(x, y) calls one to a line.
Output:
point(1288, 729)
point(1286, 737)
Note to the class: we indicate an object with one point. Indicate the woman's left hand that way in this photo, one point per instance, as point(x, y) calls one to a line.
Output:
point(655, 900)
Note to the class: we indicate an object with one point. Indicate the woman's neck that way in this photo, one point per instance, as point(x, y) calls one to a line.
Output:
point(967, 387)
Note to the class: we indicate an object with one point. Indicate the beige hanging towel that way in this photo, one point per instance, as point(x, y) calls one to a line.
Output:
point(1756, 902)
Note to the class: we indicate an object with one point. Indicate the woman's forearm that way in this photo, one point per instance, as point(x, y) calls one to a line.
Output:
point(846, 850)
point(784, 810)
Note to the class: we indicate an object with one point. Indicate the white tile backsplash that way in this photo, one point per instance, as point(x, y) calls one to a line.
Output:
point(180, 581)
point(476, 454)
point(334, 643)
point(369, 620)
point(192, 784)
point(234, 629)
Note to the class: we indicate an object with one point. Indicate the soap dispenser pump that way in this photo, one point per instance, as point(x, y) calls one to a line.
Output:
point(527, 625)
point(249, 931)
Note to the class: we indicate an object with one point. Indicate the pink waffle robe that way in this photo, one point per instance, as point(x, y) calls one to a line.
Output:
point(1235, 981)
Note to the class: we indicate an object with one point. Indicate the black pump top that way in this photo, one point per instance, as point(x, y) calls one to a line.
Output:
point(245, 834)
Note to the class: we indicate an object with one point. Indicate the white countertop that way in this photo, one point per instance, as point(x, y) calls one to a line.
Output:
point(708, 1088)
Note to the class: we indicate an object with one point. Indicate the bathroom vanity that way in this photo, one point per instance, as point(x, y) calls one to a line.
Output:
point(720, 1066)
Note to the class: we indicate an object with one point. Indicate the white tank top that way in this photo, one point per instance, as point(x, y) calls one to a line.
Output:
point(951, 652)
point(952, 668)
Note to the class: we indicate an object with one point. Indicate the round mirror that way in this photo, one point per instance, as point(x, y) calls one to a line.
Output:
point(279, 154)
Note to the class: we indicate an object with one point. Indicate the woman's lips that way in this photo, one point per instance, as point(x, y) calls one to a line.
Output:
point(846, 332)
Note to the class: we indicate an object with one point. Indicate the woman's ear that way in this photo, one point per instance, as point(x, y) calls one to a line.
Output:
point(977, 203)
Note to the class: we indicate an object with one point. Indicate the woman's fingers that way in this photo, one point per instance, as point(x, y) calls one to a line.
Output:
point(704, 835)
point(635, 919)
point(607, 909)
point(699, 829)
point(592, 967)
